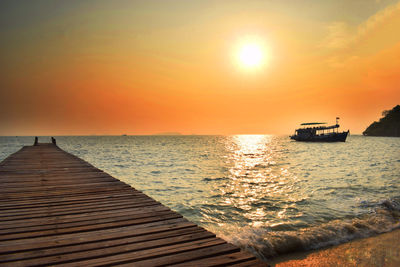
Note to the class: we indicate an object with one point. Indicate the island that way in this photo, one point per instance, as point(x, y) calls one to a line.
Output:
point(388, 125)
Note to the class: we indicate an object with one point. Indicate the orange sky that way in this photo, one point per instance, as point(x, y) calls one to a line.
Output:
point(144, 67)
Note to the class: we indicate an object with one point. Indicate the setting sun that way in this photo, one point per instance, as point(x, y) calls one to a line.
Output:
point(251, 55)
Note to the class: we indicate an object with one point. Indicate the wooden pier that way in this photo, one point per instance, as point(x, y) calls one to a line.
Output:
point(57, 209)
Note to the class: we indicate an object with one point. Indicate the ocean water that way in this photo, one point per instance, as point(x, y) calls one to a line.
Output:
point(265, 193)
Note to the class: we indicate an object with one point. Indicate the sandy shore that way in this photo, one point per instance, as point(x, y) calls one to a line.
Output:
point(382, 250)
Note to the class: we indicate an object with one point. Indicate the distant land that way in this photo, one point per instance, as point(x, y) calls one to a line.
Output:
point(388, 125)
point(168, 133)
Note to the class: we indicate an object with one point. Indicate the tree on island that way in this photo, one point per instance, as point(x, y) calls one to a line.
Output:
point(388, 125)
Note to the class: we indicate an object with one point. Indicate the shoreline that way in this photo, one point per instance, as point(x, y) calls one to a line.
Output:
point(380, 250)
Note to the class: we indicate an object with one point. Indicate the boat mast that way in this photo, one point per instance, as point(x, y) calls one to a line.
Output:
point(337, 123)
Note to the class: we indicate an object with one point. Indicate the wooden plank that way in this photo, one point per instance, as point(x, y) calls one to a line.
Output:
point(17, 205)
point(88, 222)
point(84, 218)
point(65, 199)
point(169, 256)
point(116, 249)
point(155, 256)
point(251, 263)
point(220, 260)
point(78, 239)
point(50, 213)
point(102, 244)
point(16, 196)
point(91, 227)
point(74, 206)
point(62, 188)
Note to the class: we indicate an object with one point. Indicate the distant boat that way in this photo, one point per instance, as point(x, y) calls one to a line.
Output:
point(314, 132)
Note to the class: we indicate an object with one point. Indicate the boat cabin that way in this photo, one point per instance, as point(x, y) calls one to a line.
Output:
point(317, 131)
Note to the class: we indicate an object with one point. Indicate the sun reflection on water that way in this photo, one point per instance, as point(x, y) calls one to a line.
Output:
point(255, 180)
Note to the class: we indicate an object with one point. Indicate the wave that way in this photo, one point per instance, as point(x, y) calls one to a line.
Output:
point(208, 179)
point(268, 244)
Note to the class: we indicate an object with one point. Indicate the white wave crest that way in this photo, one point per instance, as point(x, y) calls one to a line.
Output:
point(267, 244)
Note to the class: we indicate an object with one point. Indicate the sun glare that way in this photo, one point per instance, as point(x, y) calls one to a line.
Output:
point(251, 55)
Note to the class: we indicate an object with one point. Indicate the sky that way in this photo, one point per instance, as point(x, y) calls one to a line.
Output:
point(148, 67)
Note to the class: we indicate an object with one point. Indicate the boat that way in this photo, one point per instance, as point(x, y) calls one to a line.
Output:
point(317, 132)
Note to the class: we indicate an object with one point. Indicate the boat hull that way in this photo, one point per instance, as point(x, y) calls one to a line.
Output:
point(332, 137)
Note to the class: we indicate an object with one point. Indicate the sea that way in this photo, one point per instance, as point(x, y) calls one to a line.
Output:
point(265, 193)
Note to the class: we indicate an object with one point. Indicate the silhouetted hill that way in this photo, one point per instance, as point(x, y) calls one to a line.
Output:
point(389, 125)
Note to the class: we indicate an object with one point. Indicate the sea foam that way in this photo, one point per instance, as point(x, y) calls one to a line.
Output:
point(267, 244)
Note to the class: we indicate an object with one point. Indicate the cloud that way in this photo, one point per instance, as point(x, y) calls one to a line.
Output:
point(378, 19)
point(341, 35)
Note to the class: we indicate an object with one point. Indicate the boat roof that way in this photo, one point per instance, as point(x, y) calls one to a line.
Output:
point(328, 127)
point(320, 127)
point(312, 123)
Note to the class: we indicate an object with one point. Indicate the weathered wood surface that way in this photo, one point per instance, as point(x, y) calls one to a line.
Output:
point(57, 209)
